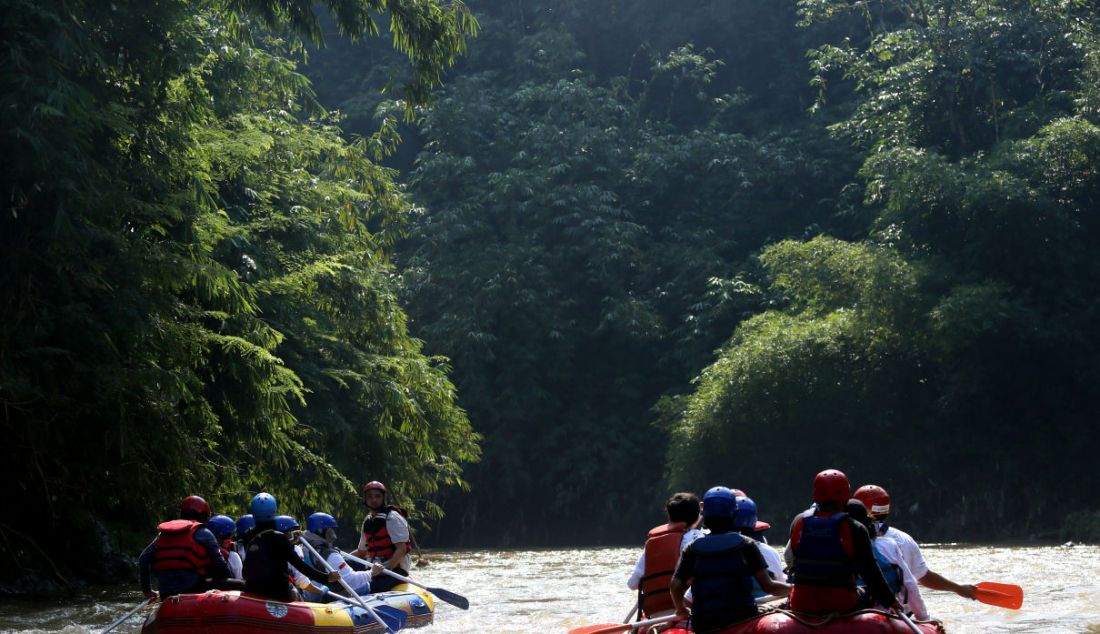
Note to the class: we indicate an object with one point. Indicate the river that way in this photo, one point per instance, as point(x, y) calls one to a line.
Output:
point(529, 591)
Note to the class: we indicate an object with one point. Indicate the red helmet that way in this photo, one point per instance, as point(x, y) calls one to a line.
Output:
point(831, 486)
point(875, 498)
point(374, 485)
point(739, 493)
point(194, 505)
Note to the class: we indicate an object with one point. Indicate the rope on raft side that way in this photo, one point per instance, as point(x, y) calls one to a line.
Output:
point(821, 621)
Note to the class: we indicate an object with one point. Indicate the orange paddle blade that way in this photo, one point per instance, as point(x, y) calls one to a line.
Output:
point(1002, 595)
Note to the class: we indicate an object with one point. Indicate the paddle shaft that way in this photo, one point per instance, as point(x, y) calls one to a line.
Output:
point(908, 621)
point(630, 615)
point(453, 598)
point(344, 584)
point(122, 619)
point(626, 627)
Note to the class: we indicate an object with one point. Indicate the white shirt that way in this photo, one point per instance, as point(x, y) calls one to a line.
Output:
point(635, 578)
point(774, 561)
point(236, 566)
point(913, 601)
point(910, 551)
point(359, 580)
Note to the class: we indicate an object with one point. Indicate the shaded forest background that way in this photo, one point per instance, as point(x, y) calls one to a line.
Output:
point(626, 249)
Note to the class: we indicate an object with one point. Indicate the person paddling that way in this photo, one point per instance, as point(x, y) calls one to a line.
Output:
point(224, 529)
point(321, 535)
point(269, 551)
point(185, 556)
point(877, 501)
point(652, 576)
point(745, 522)
point(385, 537)
point(891, 563)
point(829, 549)
point(721, 568)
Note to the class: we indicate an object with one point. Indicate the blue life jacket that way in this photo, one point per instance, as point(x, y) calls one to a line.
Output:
point(819, 557)
point(891, 572)
point(721, 584)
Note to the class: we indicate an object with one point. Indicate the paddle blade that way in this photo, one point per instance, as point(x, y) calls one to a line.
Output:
point(606, 628)
point(392, 617)
point(456, 600)
point(1002, 595)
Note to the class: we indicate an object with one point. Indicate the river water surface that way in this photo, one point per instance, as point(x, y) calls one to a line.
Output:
point(529, 591)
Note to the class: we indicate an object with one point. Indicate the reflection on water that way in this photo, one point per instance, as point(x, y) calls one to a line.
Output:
point(527, 592)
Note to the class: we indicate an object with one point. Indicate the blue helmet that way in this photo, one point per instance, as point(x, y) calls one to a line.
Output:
point(263, 507)
point(286, 523)
point(745, 517)
point(318, 522)
point(245, 523)
point(719, 502)
point(223, 527)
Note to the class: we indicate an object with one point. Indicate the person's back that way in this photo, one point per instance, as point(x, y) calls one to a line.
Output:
point(830, 549)
point(185, 556)
point(721, 568)
point(652, 574)
point(269, 552)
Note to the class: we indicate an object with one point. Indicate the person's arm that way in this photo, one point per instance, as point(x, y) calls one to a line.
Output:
point(936, 581)
point(144, 561)
point(685, 568)
point(754, 562)
point(217, 569)
point(634, 581)
point(868, 568)
point(771, 586)
point(399, 552)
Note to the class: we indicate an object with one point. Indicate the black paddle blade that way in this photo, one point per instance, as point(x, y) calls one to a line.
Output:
point(456, 600)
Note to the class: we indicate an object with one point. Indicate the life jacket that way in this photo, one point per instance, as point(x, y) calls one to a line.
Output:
point(824, 566)
point(379, 545)
point(323, 548)
point(722, 584)
point(891, 572)
point(176, 548)
point(662, 551)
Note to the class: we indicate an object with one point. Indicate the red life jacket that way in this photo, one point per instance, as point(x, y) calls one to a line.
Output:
point(176, 548)
point(380, 546)
point(662, 551)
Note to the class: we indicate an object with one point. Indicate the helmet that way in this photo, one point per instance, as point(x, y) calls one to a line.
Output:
point(245, 523)
point(286, 523)
point(375, 485)
point(318, 522)
point(719, 502)
point(875, 498)
point(193, 505)
point(831, 486)
point(739, 493)
point(745, 516)
point(263, 507)
point(223, 527)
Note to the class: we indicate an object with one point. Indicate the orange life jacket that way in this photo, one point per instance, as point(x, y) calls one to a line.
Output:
point(176, 548)
point(662, 552)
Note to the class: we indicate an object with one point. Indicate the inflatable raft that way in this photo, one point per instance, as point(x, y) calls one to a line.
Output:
point(863, 622)
point(220, 612)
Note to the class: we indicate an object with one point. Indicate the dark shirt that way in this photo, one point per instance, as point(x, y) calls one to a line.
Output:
point(265, 567)
point(686, 566)
point(171, 582)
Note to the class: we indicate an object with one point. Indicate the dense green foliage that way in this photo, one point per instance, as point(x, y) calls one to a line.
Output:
point(887, 203)
point(196, 290)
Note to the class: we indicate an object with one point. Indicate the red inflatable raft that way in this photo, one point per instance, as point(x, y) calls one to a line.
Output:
point(218, 612)
point(864, 622)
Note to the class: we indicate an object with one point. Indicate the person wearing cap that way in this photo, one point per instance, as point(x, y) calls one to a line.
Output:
point(745, 522)
point(829, 550)
point(877, 501)
point(652, 574)
point(891, 563)
point(385, 537)
point(721, 567)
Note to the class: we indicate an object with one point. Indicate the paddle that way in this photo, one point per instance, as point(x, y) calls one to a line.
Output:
point(344, 584)
point(908, 621)
point(392, 617)
point(1002, 595)
point(122, 619)
point(614, 628)
point(456, 600)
